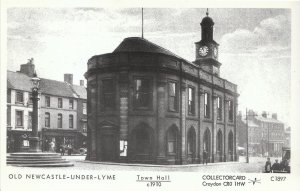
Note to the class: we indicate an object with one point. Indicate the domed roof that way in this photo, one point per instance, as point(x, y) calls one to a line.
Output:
point(138, 44)
point(207, 21)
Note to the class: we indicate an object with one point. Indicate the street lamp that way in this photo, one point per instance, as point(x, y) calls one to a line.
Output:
point(34, 138)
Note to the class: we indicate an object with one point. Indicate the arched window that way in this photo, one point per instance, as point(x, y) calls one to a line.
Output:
point(172, 140)
point(207, 141)
point(230, 145)
point(71, 122)
point(191, 141)
point(219, 142)
point(59, 120)
point(143, 141)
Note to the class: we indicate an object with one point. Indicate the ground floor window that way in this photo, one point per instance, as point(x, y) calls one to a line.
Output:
point(172, 140)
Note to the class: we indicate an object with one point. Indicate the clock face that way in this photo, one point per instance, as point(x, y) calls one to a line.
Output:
point(203, 50)
point(215, 52)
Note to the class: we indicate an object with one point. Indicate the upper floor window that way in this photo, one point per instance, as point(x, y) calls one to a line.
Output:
point(47, 119)
point(142, 93)
point(29, 98)
point(71, 121)
point(173, 96)
point(8, 96)
point(60, 103)
point(59, 120)
point(206, 105)
point(19, 118)
point(84, 108)
point(191, 100)
point(8, 115)
point(47, 101)
point(108, 93)
point(71, 104)
point(29, 120)
point(219, 108)
point(230, 110)
point(19, 97)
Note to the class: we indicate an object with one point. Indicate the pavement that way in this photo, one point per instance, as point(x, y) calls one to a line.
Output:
point(255, 165)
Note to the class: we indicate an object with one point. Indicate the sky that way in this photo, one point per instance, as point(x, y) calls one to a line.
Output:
point(255, 44)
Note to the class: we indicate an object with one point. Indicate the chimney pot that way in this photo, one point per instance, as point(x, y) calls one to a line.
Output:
point(68, 78)
point(28, 68)
point(81, 82)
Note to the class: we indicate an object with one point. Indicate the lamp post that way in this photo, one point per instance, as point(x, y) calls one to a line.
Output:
point(34, 138)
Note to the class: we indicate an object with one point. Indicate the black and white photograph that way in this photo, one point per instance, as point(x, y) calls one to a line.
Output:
point(141, 97)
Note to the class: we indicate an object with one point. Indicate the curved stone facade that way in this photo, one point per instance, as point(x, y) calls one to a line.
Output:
point(157, 133)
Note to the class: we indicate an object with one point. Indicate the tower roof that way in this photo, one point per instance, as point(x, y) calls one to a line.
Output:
point(207, 21)
point(137, 44)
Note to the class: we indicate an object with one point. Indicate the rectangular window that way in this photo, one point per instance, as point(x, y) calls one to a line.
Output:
point(47, 101)
point(29, 120)
point(71, 104)
point(47, 119)
point(142, 93)
point(8, 120)
point(29, 98)
point(206, 105)
point(60, 103)
point(19, 97)
point(219, 108)
point(84, 108)
point(230, 108)
point(19, 118)
point(71, 125)
point(173, 96)
point(59, 121)
point(8, 96)
point(108, 93)
point(191, 100)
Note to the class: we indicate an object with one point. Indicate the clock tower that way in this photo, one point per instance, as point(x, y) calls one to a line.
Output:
point(207, 48)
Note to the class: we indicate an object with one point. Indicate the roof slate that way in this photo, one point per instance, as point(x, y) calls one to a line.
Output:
point(137, 44)
point(80, 91)
point(20, 81)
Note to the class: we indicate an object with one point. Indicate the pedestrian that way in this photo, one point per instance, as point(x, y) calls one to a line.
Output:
point(52, 146)
point(70, 150)
point(204, 157)
point(268, 166)
point(276, 167)
point(62, 150)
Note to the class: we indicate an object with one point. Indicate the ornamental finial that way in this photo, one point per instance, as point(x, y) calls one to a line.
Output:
point(207, 12)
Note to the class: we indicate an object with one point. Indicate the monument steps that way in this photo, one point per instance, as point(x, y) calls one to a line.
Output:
point(37, 160)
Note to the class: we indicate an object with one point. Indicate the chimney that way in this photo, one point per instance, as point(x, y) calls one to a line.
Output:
point(68, 78)
point(274, 115)
point(81, 82)
point(28, 68)
point(264, 114)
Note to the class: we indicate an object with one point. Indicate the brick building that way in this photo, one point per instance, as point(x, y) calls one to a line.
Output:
point(61, 114)
point(148, 105)
point(266, 135)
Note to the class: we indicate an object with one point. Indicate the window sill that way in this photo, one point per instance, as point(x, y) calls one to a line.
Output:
point(19, 127)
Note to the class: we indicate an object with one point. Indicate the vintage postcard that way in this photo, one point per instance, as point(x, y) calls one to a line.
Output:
point(110, 96)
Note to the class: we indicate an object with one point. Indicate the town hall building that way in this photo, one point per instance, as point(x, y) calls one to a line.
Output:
point(147, 105)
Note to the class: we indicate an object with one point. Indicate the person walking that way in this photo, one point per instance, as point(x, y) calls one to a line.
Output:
point(62, 150)
point(204, 157)
point(268, 166)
